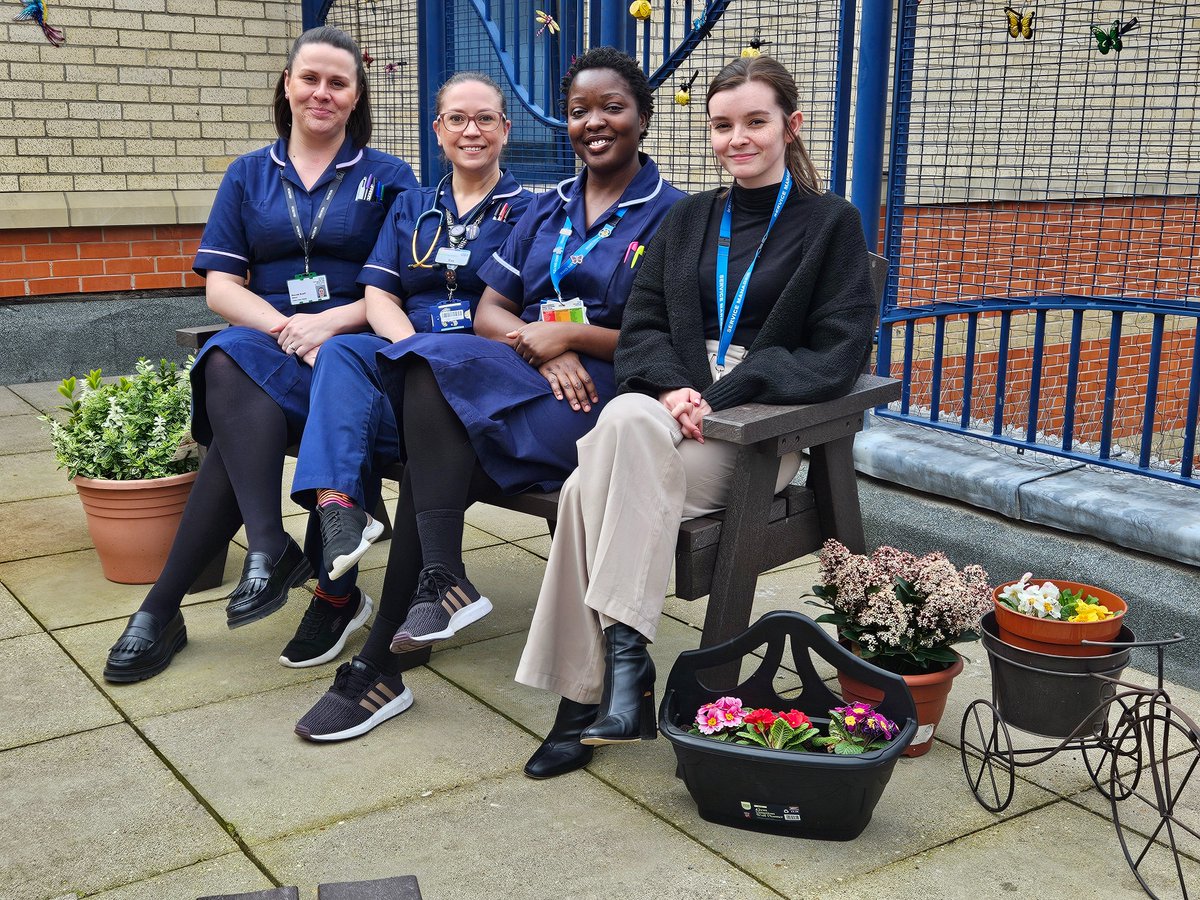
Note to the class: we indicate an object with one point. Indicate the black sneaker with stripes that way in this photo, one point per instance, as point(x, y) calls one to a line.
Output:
point(442, 605)
point(361, 698)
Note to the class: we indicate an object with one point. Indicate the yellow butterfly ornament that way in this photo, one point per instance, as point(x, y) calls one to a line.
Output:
point(1020, 24)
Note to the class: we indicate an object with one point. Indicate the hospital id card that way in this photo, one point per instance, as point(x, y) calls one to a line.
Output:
point(571, 310)
point(448, 256)
point(451, 315)
point(310, 288)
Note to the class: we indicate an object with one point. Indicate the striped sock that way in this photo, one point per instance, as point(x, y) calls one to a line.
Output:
point(326, 496)
point(336, 602)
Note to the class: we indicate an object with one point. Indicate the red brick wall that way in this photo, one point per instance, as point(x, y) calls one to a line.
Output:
point(42, 262)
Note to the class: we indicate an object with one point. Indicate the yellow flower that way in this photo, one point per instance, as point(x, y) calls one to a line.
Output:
point(1090, 612)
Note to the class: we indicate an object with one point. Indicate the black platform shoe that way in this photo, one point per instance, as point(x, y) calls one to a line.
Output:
point(561, 751)
point(627, 706)
point(264, 586)
point(144, 648)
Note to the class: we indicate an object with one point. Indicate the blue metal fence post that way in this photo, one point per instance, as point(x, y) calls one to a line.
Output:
point(614, 16)
point(870, 111)
point(431, 37)
point(313, 12)
point(841, 106)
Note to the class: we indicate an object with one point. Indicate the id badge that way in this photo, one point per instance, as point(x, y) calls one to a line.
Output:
point(448, 256)
point(308, 289)
point(571, 310)
point(451, 315)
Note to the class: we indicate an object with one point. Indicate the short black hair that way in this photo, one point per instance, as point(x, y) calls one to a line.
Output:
point(621, 63)
point(359, 125)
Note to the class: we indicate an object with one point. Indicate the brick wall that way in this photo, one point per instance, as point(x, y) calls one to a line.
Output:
point(37, 262)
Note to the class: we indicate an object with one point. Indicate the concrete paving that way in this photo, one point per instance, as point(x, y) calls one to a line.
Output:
point(193, 783)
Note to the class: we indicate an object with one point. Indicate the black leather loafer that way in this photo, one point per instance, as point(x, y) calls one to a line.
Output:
point(264, 586)
point(144, 648)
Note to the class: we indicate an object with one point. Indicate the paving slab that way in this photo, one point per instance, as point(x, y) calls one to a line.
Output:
point(27, 476)
point(570, 837)
point(1052, 852)
point(504, 523)
point(44, 695)
point(96, 810)
point(43, 527)
point(434, 746)
point(217, 663)
point(14, 620)
point(232, 873)
point(13, 405)
point(23, 434)
point(70, 589)
point(41, 395)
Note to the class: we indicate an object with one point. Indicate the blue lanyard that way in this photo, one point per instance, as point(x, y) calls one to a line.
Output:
point(559, 270)
point(729, 325)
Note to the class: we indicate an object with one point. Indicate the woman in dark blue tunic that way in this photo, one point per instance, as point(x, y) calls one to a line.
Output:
point(422, 276)
point(500, 411)
point(288, 233)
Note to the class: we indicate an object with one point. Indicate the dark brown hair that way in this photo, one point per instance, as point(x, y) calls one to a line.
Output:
point(772, 73)
point(462, 78)
point(359, 126)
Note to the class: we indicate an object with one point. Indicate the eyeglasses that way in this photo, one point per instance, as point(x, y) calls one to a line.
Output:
point(484, 121)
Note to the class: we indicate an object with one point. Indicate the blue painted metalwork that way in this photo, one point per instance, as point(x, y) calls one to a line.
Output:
point(313, 12)
point(1193, 412)
point(1072, 380)
point(1156, 339)
point(969, 369)
point(935, 391)
point(1110, 386)
point(871, 114)
point(1001, 374)
point(1035, 382)
point(431, 38)
point(841, 109)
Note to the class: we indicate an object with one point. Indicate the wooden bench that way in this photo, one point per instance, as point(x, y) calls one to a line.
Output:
point(722, 555)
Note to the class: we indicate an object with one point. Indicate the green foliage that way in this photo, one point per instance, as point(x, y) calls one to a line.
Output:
point(136, 427)
point(844, 742)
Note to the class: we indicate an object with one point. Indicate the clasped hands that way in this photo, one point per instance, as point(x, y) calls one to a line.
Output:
point(302, 335)
point(688, 408)
point(546, 347)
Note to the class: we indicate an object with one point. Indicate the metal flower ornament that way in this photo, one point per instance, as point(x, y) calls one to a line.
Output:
point(547, 22)
point(35, 11)
point(640, 10)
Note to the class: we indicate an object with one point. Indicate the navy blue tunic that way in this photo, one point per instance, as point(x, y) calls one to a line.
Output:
point(523, 436)
point(249, 232)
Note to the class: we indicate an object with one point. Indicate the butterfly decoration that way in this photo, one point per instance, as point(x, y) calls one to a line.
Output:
point(1111, 39)
point(35, 11)
point(683, 96)
point(391, 69)
point(546, 20)
point(367, 58)
point(640, 10)
point(1020, 24)
point(755, 48)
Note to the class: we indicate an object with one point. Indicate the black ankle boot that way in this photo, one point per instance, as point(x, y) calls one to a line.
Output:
point(627, 706)
point(561, 751)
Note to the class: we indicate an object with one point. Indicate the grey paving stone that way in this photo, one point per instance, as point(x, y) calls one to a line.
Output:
point(70, 589)
point(44, 694)
point(504, 523)
point(96, 810)
point(23, 434)
point(27, 476)
point(13, 405)
point(401, 887)
point(1051, 852)
point(570, 837)
point(279, 893)
point(43, 527)
point(14, 621)
point(230, 873)
point(41, 395)
point(433, 746)
point(216, 664)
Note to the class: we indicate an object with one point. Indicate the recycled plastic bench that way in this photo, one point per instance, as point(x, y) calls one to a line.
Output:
point(722, 555)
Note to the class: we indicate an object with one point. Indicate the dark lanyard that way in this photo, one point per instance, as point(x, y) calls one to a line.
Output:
point(729, 325)
point(477, 214)
point(559, 270)
point(318, 219)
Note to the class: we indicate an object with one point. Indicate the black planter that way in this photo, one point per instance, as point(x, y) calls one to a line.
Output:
point(1051, 695)
point(811, 795)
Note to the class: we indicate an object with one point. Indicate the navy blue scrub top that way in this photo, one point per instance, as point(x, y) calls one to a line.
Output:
point(249, 229)
point(421, 289)
point(520, 270)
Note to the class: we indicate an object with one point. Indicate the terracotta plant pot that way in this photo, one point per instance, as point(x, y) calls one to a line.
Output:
point(929, 692)
point(132, 523)
point(1056, 637)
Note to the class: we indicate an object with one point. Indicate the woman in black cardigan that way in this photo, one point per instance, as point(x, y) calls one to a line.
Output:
point(759, 292)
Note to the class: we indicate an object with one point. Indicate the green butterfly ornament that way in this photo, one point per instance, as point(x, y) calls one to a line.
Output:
point(1111, 39)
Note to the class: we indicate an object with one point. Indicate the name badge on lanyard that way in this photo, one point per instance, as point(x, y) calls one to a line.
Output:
point(308, 286)
point(451, 315)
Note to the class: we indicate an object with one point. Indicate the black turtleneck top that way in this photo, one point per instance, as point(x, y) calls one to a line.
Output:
point(780, 257)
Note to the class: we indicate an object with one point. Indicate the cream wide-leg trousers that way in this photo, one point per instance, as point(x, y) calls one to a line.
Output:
point(614, 544)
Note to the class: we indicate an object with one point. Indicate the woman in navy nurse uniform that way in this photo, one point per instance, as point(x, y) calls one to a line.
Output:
point(500, 411)
point(422, 276)
point(288, 233)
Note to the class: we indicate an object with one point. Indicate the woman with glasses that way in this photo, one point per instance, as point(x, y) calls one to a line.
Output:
point(422, 276)
point(499, 412)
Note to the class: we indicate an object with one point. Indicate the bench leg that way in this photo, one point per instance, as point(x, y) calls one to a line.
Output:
point(832, 479)
point(735, 574)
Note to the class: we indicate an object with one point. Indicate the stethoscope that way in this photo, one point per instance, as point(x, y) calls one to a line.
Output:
point(434, 210)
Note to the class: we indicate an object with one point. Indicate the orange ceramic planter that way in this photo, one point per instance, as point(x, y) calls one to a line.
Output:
point(1057, 637)
point(929, 692)
point(132, 523)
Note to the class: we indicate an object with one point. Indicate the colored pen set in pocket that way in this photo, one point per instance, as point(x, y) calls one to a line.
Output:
point(370, 188)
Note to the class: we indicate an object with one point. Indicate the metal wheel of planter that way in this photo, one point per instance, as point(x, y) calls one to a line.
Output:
point(1150, 802)
point(1118, 745)
point(987, 756)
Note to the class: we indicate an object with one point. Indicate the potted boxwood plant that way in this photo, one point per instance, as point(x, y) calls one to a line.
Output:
point(903, 613)
point(127, 448)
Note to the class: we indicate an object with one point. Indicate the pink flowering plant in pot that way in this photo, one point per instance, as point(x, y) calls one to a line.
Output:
point(853, 729)
point(901, 611)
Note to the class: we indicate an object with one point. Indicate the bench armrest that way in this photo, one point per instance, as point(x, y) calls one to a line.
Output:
point(752, 423)
point(195, 338)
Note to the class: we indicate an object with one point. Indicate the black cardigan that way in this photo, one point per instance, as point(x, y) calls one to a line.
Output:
point(812, 346)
